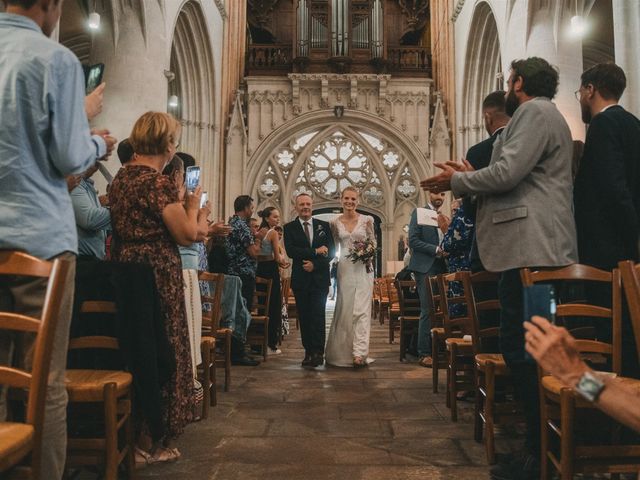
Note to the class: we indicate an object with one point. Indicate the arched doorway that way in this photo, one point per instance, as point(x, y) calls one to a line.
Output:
point(193, 84)
point(483, 73)
point(598, 44)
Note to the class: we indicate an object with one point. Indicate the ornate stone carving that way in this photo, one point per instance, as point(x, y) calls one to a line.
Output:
point(416, 12)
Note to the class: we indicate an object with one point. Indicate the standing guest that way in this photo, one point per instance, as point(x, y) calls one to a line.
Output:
point(44, 136)
point(310, 246)
point(175, 170)
point(524, 219)
point(479, 155)
point(607, 188)
point(270, 261)
point(93, 219)
point(426, 261)
point(243, 248)
point(456, 247)
point(148, 221)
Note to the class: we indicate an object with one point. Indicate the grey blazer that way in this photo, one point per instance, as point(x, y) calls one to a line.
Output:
point(525, 205)
point(423, 242)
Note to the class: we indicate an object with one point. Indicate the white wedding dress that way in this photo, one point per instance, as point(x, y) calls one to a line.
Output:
point(349, 334)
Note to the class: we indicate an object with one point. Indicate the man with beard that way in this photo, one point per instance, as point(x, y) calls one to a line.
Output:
point(607, 188)
point(524, 219)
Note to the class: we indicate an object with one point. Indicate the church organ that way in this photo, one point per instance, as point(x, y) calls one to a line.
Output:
point(342, 36)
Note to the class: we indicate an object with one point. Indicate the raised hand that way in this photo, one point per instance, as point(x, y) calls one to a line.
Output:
point(440, 182)
point(93, 102)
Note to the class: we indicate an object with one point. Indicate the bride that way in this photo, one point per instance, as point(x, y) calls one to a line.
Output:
point(348, 342)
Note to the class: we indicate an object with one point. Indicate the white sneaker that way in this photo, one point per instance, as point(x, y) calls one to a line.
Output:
point(277, 351)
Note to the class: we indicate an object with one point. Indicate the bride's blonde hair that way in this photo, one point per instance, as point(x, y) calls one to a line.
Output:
point(350, 188)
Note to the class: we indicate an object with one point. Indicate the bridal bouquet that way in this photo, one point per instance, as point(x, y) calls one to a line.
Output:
point(363, 251)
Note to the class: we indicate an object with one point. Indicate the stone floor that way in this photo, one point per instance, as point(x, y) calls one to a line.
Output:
point(280, 421)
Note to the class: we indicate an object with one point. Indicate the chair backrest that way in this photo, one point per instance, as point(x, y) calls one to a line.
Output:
point(20, 264)
point(384, 290)
point(631, 281)
point(262, 296)
point(95, 341)
point(435, 302)
point(391, 290)
point(484, 308)
point(408, 299)
point(455, 324)
point(564, 311)
point(211, 317)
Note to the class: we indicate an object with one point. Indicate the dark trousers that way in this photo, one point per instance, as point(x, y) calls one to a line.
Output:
point(311, 304)
point(523, 369)
point(271, 271)
point(248, 289)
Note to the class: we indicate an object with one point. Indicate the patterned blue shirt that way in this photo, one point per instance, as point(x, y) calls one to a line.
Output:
point(240, 262)
point(44, 136)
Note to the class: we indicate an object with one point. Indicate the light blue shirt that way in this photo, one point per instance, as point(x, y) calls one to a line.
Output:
point(190, 256)
point(92, 219)
point(44, 136)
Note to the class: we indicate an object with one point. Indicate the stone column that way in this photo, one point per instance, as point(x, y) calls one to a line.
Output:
point(626, 32)
point(134, 68)
point(565, 52)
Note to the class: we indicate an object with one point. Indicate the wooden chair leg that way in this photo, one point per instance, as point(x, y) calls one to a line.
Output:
point(265, 340)
point(489, 437)
point(453, 390)
point(566, 440)
point(402, 339)
point(227, 362)
point(391, 332)
point(477, 412)
point(435, 351)
point(213, 393)
point(545, 474)
point(110, 432)
point(205, 379)
point(128, 432)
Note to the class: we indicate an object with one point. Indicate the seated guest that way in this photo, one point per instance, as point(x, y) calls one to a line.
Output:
point(125, 151)
point(148, 219)
point(554, 349)
point(92, 218)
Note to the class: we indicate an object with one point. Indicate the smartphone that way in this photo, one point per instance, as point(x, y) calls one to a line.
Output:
point(92, 76)
point(539, 300)
point(192, 178)
point(203, 200)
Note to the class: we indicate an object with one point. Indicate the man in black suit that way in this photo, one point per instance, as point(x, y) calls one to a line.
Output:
point(495, 119)
point(309, 244)
point(607, 186)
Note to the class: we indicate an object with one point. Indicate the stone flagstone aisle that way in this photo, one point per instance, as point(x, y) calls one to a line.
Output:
point(282, 422)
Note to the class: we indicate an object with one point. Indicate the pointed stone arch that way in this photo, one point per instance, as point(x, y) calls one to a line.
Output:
point(192, 64)
point(482, 68)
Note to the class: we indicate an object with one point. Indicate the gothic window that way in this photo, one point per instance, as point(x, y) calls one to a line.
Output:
point(269, 188)
point(406, 189)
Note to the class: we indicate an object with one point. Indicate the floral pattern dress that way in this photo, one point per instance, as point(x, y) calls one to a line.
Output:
point(137, 196)
point(457, 243)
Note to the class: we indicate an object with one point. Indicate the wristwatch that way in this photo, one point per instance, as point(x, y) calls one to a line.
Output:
point(589, 386)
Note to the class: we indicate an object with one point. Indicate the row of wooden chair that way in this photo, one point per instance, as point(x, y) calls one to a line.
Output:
point(473, 362)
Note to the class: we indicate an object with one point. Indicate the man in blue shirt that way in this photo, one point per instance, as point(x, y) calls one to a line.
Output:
point(92, 218)
point(44, 136)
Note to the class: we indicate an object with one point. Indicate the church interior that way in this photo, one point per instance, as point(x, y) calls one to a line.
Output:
point(281, 98)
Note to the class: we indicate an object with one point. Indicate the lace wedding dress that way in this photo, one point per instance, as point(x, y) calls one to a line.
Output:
point(349, 334)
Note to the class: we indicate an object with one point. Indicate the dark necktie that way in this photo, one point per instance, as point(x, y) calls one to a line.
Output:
point(306, 232)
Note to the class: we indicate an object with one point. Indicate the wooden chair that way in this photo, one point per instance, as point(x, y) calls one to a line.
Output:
point(563, 412)
point(393, 308)
point(112, 389)
point(491, 369)
point(409, 306)
point(438, 348)
point(21, 443)
point(258, 332)
point(207, 374)
point(221, 356)
point(377, 296)
point(631, 282)
point(292, 309)
point(460, 354)
point(384, 299)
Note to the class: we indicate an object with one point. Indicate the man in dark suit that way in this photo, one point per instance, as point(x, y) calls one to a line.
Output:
point(309, 244)
point(607, 186)
point(479, 155)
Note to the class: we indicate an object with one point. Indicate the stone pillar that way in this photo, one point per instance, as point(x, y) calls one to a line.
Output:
point(134, 69)
point(565, 52)
point(626, 32)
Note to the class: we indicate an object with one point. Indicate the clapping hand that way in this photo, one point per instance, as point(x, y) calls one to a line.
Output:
point(443, 222)
point(219, 229)
point(192, 200)
point(442, 182)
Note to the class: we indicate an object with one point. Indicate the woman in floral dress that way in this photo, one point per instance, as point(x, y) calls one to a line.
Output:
point(148, 222)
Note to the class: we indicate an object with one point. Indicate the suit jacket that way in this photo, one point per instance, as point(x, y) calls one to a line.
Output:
point(479, 156)
point(607, 190)
point(298, 249)
point(525, 207)
point(423, 242)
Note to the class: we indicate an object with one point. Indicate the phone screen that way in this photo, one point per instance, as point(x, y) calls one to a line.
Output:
point(93, 77)
point(203, 200)
point(192, 178)
point(539, 300)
